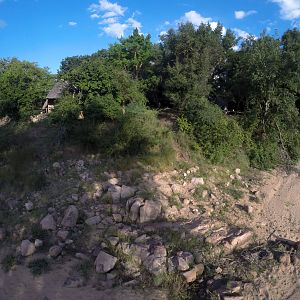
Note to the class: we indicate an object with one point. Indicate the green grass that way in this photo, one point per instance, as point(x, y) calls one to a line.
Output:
point(8, 262)
point(39, 266)
point(85, 268)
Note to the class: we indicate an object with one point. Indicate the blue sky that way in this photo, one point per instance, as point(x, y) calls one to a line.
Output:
point(46, 31)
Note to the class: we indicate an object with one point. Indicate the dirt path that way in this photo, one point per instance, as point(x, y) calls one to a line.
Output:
point(280, 217)
point(281, 205)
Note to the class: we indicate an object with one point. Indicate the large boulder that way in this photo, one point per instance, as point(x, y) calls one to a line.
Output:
point(48, 223)
point(71, 217)
point(150, 211)
point(105, 262)
point(27, 248)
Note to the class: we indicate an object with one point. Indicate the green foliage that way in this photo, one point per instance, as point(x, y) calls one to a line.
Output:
point(8, 262)
point(23, 86)
point(218, 135)
point(67, 111)
point(39, 266)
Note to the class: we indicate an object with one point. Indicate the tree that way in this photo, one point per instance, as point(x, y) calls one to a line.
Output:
point(23, 86)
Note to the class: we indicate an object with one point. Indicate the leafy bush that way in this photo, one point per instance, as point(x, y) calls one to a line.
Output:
point(39, 266)
point(8, 262)
point(218, 135)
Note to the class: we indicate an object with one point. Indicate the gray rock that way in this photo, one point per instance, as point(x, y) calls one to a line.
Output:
point(113, 181)
point(93, 220)
point(62, 234)
point(197, 181)
point(184, 260)
point(27, 248)
point(135, 208)
point(29, 206)
point(54, 251)
point(38, 243)
point(238, 240)
point(2, 234)
point(115, 193)
point(48, 223)
point(105, 262)
point(127, 192)
point(71, 216)
point(192, 275)
point(117, 218)
point(113, 240)
point(81, 256)
point(74, 282)
point(156, 263)
point(149, 211)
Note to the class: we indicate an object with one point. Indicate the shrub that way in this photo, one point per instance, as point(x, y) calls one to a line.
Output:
point(218, 135)
point(39, 266)
point(8, 262)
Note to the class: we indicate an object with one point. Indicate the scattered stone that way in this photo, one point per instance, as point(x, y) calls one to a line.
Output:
point(127, 192)
point(285, 259)
point(156, 262)
point(115, 193)
point(113, 181)
point(197, 181)
point(54, 251)
point(149, 211)
point(184, 260)
point(81, 256)
point(113, 240)
point(238, 240)
point(105, 262)
point(117, 218)
point(62, 234)
point(237, 171)
point(48, 223)
point(192, 275)
point(29, 206)
point(27, 248)
point(2, 234)
point(93, 220)
point(56, 165)
point(74, 282)
point(38, 243)
point(71, 216)
point(133, 205)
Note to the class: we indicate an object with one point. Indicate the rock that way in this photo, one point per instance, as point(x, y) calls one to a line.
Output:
point(105, 262)
point(27, 248)
point(74, 282)
point(81, 256)
point(237, 171)
point(54, 251)
point(127, 192)
point(115, 193)
point(192, 275)
point(156, 262)
point(285, 259)
point(56, 165)
point(238, 240)
point(234, 297)
point(48, 223)
point(62, 234)
point(113, 181)
point(29, 206)
point(134, 209)
point(249, 209)
point(2, 233)
point(184, 260)
point(93, 220)
point(166, 190)
point(197, 181)
point(71, 217)
point(117, 218)
point(75, 197)
point(38, 243)
point(113, 240)
point(149, 211)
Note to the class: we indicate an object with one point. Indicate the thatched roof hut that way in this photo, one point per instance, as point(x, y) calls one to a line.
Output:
point(54, 94)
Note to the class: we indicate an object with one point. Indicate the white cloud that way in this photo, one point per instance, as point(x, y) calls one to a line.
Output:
point(107, 6)
point(241, 33)
point(197, 19)
point(95, 16)
point(134, 23)
point(109, 21)
point(112, 16)
point(289, 9)
point(241, 14)
point(2, 24)
point(72, 23)
point(116, 29)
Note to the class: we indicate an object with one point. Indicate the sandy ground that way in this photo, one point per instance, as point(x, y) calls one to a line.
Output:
point(279, 216)
point(19, 284)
